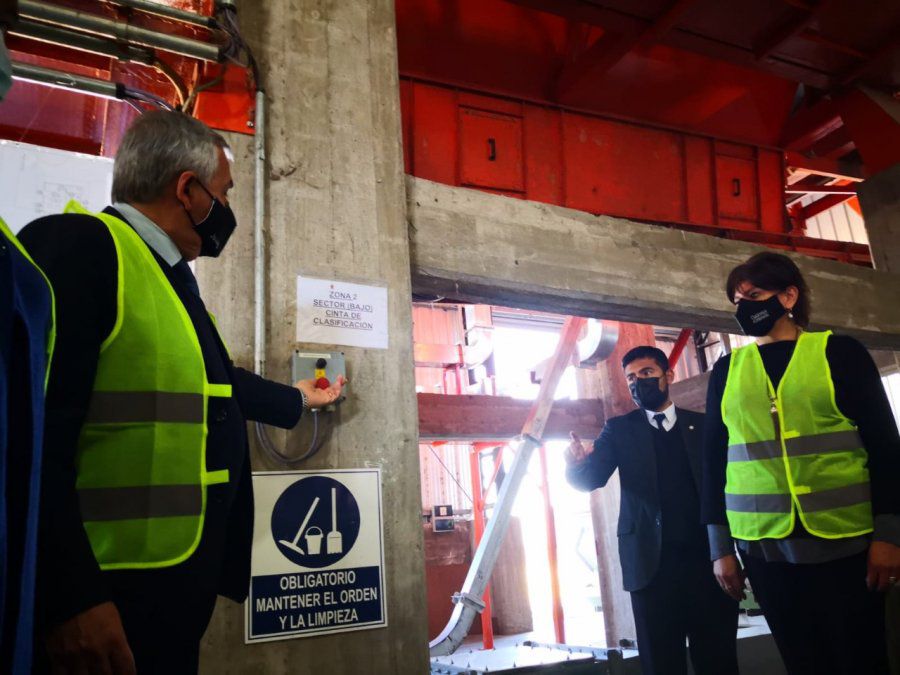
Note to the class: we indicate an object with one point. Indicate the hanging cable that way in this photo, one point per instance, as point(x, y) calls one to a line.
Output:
point(450, 473)
point(181, 89)
point(188, 104)
point(314, 445)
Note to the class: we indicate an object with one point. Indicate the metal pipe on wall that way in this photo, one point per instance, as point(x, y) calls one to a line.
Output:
point(86, 43)
point(259, 242)
point(169, 12)
point(120, 30)
point(57, 78)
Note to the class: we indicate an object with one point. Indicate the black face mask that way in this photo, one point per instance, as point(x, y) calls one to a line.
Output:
point(757, 317)
point(216, 228)
point(646, 393)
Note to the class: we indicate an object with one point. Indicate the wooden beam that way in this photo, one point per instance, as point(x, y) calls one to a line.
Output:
point(691, 393)
point(500, 418)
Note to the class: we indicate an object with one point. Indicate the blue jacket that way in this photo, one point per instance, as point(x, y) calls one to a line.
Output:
point(26, 343)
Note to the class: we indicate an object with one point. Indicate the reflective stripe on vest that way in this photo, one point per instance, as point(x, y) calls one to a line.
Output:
point(791, 452)
point(142, 451)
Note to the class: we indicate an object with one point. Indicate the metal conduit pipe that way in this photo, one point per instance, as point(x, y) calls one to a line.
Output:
point(120, 30)
point(259, 241)
point(168, 12)
point(57, 78)
point(86, 43)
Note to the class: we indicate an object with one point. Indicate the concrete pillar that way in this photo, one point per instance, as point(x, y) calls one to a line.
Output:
point(608, 384)
point(336, 208)
point(879, 197)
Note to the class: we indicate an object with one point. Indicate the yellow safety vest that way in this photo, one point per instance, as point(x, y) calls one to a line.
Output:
point(791, 451)
point(141, 462)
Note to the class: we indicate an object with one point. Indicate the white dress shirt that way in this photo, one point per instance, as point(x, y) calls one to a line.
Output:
point(151, 233)
point(669, 422)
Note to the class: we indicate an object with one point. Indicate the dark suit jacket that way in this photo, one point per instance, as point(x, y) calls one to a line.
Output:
point(626, 444)
point(78, 255)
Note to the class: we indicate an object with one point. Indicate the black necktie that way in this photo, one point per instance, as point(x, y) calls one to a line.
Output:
point(184, 274)
point(659, 417)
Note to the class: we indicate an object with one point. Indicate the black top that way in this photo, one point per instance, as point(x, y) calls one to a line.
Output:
point(679, 501)
point(78, 255)
point(860, 396)
point(626, 444)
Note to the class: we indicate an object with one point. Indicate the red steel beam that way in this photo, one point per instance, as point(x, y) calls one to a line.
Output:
point(816, 37)
point(823, 204)
point(679, 346)
point(873, 129)
point(487, 627)
point(810, 125)
point(824, 166)
point(618, 21)
point(886, 48)
point(559, 620)
point(602, 56)
point(800, 189)
point(767, 44)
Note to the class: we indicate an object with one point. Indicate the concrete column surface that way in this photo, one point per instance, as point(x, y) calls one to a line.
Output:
point(336, 206)
point(879, 197)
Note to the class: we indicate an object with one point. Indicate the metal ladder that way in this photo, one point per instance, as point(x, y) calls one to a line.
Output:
point(469, 601)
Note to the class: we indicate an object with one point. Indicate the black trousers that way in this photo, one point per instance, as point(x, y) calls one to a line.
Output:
point(163, 624)
point(164, 631)
point(684, 602)
point(823, 618)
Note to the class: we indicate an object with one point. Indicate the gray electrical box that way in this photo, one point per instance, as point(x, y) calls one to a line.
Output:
point(310, 365)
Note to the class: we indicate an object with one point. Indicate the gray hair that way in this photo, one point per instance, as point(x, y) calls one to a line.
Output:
point(158, 147)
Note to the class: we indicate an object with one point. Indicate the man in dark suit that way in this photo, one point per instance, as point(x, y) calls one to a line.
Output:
point(130, 313)
point(662, 545)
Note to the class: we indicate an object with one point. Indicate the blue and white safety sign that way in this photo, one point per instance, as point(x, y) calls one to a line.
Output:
point(318, 554)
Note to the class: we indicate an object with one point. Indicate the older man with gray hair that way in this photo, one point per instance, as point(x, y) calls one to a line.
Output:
point(146, 500)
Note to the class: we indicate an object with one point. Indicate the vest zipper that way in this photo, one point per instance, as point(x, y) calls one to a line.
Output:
point(776, 420)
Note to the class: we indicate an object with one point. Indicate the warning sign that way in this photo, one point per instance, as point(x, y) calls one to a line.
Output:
point(318, 554)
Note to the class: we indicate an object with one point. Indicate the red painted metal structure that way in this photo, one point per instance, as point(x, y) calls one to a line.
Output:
point(559, 619)
point(69, 120)
point(479, 495)
point(674, 112)
point(679, 346)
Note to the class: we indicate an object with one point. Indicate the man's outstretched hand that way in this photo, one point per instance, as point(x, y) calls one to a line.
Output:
point(576, 452)
point(319, 398)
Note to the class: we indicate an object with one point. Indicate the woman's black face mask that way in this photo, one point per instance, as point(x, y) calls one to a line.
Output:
point(758, 317)
point(216, 228)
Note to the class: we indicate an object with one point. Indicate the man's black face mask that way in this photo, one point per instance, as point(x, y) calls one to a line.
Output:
point(646, 393)
point(216, 228)
point(757, 317)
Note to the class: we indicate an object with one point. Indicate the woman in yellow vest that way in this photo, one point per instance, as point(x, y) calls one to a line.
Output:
point(802, 472)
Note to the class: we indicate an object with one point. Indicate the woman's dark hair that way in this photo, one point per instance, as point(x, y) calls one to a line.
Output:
point(772, 272)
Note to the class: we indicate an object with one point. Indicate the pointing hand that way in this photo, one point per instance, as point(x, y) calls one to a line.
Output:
point(576, 451)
